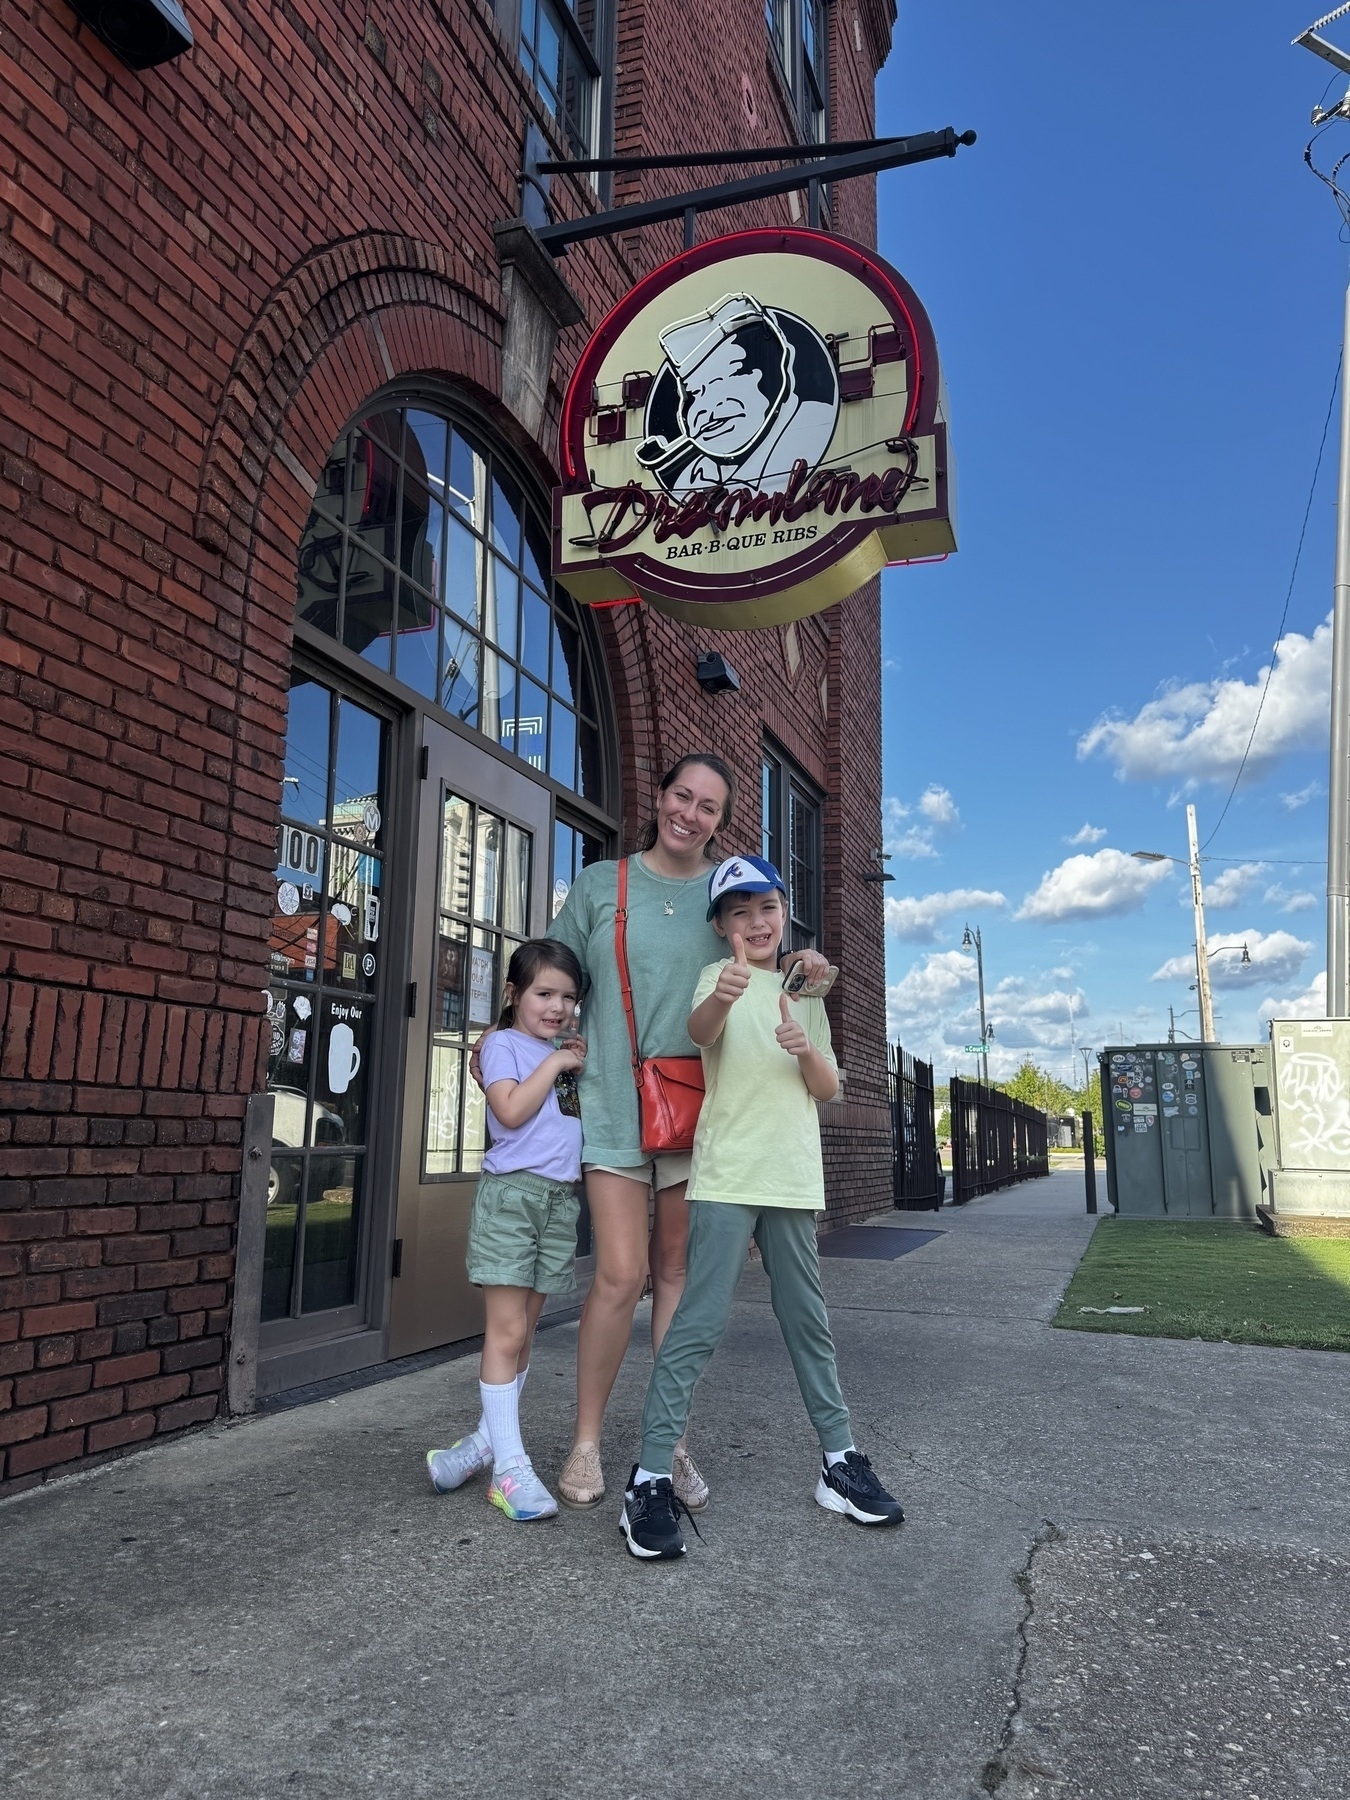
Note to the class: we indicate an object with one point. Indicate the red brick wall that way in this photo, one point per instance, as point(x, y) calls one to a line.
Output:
point(203, 272)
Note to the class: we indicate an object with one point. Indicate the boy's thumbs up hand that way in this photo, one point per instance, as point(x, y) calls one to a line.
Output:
point(735, 976)
point(791, 1034)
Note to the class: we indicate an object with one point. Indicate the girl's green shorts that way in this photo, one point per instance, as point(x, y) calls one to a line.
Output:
point(523, 1233)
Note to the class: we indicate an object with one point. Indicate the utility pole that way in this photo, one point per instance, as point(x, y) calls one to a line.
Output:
point(1201, 948)
point(1338, 782)
point(973, 938)
point(1171, 1026)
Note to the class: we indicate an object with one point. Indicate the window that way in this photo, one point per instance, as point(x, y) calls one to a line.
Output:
point(322, 998)
point(790, 838)
point(798, 33)
point(561, 48)
point(423, 558)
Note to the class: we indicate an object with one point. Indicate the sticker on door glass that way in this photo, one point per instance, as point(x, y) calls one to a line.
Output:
point(288, 898)
point(482, 971)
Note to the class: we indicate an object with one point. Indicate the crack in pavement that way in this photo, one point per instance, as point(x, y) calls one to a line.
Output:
point(999, 1766)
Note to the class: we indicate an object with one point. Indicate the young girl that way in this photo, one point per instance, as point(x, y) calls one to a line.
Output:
point(523, 1229)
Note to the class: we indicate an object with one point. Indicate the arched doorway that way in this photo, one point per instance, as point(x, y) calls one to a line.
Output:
point(450, 764)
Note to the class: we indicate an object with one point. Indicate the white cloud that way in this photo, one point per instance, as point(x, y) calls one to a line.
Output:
point(937, 806)
point(937, 812)
point(1276, 956)
point(1093, 887)
point(916, 919)
point(1292, 802)
point(1230, 886)
point(933, 1010)
point(1087, 834)
point(1310, 1004)
point(914, 843)
point(1300, 900)
point(1198, 730)
point(932, 990)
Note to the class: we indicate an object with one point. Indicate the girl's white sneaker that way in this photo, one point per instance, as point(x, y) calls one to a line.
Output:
point(518, 1492)
point(466, 1457)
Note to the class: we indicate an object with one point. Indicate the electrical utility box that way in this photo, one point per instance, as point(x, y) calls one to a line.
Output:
point(1189, 1129)
point(1312, 1100)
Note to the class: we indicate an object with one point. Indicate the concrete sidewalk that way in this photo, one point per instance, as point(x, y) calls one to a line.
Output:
point(1109, 1540)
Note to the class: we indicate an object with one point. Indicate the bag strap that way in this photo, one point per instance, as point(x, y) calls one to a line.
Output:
point(621, 957)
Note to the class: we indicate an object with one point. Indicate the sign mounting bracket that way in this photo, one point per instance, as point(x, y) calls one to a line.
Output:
point(809, 165)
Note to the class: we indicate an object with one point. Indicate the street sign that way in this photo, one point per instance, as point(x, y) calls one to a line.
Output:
point(974, 1050)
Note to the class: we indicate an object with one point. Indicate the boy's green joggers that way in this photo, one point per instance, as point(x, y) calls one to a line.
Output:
point(719, 1241)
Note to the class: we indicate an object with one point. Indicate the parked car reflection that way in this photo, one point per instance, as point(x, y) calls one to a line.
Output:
point(288, 1133)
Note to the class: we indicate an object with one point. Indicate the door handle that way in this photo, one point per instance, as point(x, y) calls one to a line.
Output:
point(412, 999)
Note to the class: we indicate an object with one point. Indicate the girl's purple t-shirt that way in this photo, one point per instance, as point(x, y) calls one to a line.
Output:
point(549, 1144)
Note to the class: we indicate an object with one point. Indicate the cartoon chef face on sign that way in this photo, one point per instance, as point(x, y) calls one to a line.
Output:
point(745, 392)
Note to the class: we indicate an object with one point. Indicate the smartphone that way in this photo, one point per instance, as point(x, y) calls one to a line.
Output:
point(795, 982)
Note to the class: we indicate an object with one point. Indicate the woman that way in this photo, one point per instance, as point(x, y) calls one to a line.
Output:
point(669, 942)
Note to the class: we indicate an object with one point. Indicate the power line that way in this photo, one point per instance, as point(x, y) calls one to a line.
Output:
point(1289, 591)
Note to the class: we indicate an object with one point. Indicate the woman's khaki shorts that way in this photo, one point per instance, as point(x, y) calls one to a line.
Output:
point(657, 1172)
point(523, 1233)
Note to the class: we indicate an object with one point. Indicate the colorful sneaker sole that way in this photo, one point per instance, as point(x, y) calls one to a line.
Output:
point(521, 1514)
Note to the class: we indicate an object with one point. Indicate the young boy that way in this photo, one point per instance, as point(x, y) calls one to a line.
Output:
point(757, 1173)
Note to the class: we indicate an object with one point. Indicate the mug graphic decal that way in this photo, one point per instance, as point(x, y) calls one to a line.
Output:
point(344, 1059)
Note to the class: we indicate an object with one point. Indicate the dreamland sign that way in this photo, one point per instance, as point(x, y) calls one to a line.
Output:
point(753, 433)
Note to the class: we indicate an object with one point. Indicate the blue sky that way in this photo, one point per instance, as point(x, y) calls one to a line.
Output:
point(1137, 290)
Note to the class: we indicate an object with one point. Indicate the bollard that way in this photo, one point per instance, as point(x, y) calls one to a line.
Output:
point(1089, 1163)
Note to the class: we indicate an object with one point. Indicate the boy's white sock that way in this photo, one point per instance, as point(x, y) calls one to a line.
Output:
point(648, 1475)
point(480, 1430)
point(501, 1409)
point(837, 1456)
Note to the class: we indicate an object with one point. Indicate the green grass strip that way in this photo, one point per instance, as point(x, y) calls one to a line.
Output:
point(1218, 1281)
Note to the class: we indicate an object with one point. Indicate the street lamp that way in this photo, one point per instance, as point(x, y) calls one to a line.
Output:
point(1198, 902)
point(1338, 783)
point(1085, 1051)
point(972, 940)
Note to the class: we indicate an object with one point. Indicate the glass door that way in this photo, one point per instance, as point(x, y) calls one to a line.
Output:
point(482, 885)
point(323, 1001)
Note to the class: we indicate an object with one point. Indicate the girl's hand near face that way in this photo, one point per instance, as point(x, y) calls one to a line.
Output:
point(571, 1054)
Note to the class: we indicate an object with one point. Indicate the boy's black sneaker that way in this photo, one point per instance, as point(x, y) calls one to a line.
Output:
point(648, 1519)
point(851, 1487)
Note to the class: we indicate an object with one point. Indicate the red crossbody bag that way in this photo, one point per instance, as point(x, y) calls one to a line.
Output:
point(669, 1088)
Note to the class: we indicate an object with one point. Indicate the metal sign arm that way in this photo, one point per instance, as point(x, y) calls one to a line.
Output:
point(875, 155)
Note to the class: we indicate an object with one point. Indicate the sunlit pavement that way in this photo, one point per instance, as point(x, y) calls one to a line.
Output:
point(1120, 1574)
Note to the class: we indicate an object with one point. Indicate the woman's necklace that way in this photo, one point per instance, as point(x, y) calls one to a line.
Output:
point(668, 903)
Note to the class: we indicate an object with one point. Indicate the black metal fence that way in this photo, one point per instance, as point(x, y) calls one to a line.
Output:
point(996, 1140)
point(917, 1179)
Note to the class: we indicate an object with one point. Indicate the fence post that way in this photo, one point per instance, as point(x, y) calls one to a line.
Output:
point(1089, 1163)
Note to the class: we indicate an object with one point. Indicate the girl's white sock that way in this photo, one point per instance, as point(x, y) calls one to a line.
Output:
point(501, 1410)
point(837, 1456)
point(480, 1430)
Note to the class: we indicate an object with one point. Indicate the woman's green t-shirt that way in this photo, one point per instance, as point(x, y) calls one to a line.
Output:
point(666, 952)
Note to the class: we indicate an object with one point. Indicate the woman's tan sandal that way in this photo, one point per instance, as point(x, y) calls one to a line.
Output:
point(691, 1490)
point(581, 1482)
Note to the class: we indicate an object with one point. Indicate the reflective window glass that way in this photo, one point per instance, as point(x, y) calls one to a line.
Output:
point(531, 724)
point(423, 556)
point(418, 660)
point(304, 786)
point(484, 911)
point(322, 1002)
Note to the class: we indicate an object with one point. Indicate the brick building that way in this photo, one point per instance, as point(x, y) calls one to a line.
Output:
point(288, 704)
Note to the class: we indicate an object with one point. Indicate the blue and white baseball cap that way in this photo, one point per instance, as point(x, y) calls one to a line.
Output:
point(743, 875)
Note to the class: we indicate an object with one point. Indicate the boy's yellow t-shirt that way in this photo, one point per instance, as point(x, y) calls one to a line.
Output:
point(758, 1138)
